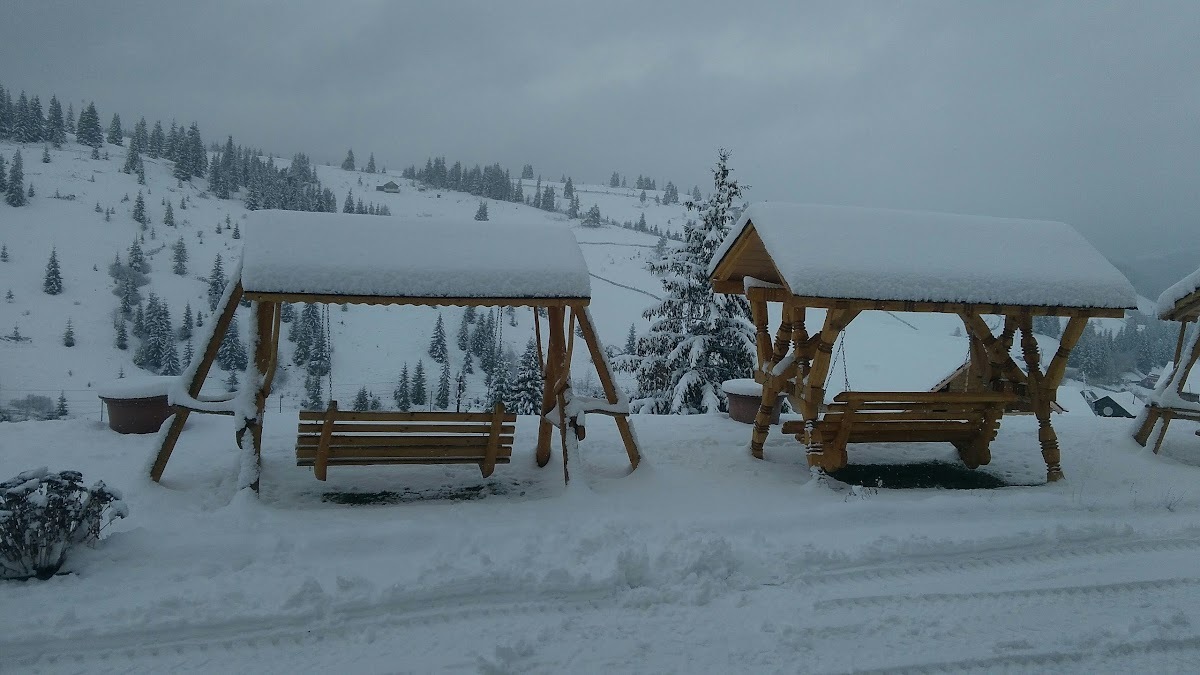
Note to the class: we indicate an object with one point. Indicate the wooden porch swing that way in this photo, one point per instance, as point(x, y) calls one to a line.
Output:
point(294, 257)
point(847, 260)
point(1180, 302)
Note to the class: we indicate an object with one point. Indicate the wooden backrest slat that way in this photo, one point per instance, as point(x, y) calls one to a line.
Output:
point(405, 428)
point(388, 416)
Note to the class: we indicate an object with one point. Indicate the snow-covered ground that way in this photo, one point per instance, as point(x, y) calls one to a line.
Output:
point(702, 560)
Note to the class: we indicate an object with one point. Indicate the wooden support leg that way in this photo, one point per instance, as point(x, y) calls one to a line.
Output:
point(555, 352)
point(201, 372)
point(1153, 412)
point(762, 420)
point(1041, 399)
point(606, 381)
point(264, 360)
point(1162, 433)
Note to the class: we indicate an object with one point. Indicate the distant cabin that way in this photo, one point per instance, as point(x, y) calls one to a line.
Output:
point(389, 186)
point(1107, 405)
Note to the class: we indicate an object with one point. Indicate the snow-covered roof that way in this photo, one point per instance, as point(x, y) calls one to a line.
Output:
point(344, 254)
point(1178, 291)
point(884, 254)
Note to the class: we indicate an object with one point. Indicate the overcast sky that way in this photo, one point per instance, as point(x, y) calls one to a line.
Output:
point(1087, 112)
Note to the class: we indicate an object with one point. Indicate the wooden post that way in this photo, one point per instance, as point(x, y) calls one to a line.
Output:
point(813, 396)
point(1142, 435)
point(1184, 368)
point(1040, 399)
point(489, 456)
point(321, 459)
point(202, 368)
point(799, 339)
point(758, 314)
point(610, 387)
point(266, 320)
point(555, 351)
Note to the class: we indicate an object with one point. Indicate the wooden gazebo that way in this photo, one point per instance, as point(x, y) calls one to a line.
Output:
point(291, 256)
point(846, 260)
point(1180, 302)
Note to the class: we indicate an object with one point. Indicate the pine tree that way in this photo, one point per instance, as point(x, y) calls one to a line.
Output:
point(188, 354)
point(287, 312)
point(231, 354)
point(69, 335)
point(631, 340)
point(573, 207)
point(88, 130)
point(216, 283)
point(464, 334)
point(170, 360)
point(231, 382)
point(157, 140)
point(139, 211)
point(568, 189)
point(61, 410)
point(593, 217)
point(437, 343)
point(122, 340)
point(69, 122)
point(318, 346)
point(614, 180)
point(16, 182)
point(3, 252)
point(45, 154)
point(442, 399)
point(169, 216)
point(697, 339)
point(371, 164)
point(481, 213)
point(527, 389)
point(401, 393)
point(641, 223)
point(187, 324)
point(237, 233)
point(115, 134)
point(137, 259)
point(418, 389)
point(348, 163)
point(139, 322)
point(348, 206)
point(179, 255)
point(362, 400)
point(52, 284)
point(3, 177)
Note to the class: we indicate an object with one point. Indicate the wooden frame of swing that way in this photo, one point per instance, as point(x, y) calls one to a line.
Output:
point(556, 364)
point(1185, 310)
point(797, 364)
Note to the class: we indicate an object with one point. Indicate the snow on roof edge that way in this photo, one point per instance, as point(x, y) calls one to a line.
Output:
point(1176, 292)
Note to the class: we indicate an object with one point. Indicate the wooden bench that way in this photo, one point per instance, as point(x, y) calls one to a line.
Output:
point(967, 420)
point(343, 438)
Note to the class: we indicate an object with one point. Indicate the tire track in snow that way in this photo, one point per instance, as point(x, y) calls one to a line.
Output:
point(1108, 658)
point(981, 560)
point(1039, 594)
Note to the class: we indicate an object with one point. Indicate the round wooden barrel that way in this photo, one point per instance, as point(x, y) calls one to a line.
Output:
point(745, 398)
point(137, 415)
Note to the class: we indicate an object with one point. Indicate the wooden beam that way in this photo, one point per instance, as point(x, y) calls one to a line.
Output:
point(321, 461)
point(493, 447)
point(762, 337)
point(863, 304)
point(1184, 367)
point(1066, 342)
point(555, 350)
point(1040, 399)
point(334, 299)
point(201, 372)
point(266, 320)
point(609, 385)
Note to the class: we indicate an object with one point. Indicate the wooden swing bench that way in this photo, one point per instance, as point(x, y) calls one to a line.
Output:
point(346, 438)
point(968, 420)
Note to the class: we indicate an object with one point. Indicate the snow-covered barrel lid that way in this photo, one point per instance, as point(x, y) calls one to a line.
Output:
point(147, 386)
point(856, 253)
point(295, 252)
point(1182, 300)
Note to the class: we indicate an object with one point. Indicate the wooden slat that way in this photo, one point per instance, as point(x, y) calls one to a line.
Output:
point(384, 461)
point(324, 298)
point(397, 441)
point(477, 452)
point(404, 428)
point(383, 416)
point(494, 441)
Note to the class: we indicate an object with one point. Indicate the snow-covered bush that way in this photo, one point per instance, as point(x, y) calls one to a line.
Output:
point(43, 514)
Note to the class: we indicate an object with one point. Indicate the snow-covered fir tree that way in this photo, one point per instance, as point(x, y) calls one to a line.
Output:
point(362, 400)
point(139, 211)
point(179, 257)
point(481, 213)
point(52, 283)
point(464, 334)
point(187, 323)
point(87, 131)
point(216, 283)
point(441, 400)
point(418, 391)
point(348, 163)
point(169, 216)
point(137, 259)
point(527, 388)
point(631, 340)
point(115, 134)
point(61, 411)
point(437, 343)
point(697, 339)
point(231, 354)
point(371, 163)
point(68, 337)
point(401, 394)
point(15, 185)
point(122, 340)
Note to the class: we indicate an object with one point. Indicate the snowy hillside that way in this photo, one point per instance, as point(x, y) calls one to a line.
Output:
point(370, 344)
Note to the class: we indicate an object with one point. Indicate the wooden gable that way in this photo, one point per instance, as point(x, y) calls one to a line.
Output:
point(747, 257)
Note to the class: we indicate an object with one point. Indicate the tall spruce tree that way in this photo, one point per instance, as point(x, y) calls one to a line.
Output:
point(348, 163)
point(88, 130)
point(437, 343)
point(441, 400)
point(16, 182)
point(401, 393)
point(481, 213)
point(527, 388)
point(139, 211)
point(419, 386)
point(56, 128)
point(116, 135)
point(697, 339)
point(216, 283)
point(69, 334)
point(52, 284)
point(179, 256)
point(231, 354)
point(371, 164)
